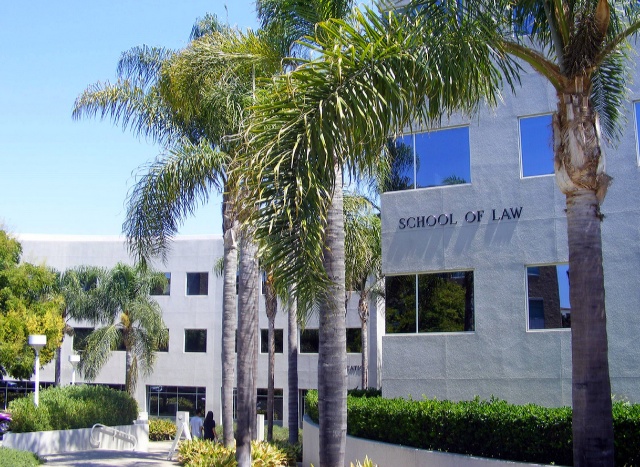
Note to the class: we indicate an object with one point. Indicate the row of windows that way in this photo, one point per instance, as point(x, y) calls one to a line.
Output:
point(195, 340)
point(442, 157)
point(197, 284)
point(444, 302)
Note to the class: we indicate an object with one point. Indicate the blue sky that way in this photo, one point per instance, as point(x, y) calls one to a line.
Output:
point(60, 176)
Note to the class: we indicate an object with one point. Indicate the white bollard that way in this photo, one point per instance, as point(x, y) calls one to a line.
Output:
point(260, 432)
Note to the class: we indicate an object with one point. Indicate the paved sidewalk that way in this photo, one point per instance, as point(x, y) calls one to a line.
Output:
point(157, 456)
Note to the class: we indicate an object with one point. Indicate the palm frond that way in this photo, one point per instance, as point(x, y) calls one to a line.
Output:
point(370, 79)
point(100, 344)
point(129, 106)
point(169, 191)
point(142, 64)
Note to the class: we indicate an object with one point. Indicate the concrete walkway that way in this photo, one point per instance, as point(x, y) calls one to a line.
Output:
point(157, 456)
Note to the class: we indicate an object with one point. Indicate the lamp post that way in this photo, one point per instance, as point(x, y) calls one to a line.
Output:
point(74, 360)
point(37, 341)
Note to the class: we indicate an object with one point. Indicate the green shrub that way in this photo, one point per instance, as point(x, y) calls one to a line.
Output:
point(488, 428)
point(198, 452)
point(70, 407)
point(369, 392)
point(161, 429)
point(15, 458)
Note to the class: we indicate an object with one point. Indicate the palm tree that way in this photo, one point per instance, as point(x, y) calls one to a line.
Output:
point(131, 320)
point(363, 263)
point(577, 45)
point(195, 130)
point(74, 285)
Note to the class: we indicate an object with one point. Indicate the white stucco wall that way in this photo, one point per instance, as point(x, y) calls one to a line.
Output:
point(501, 357)
point(180, 312)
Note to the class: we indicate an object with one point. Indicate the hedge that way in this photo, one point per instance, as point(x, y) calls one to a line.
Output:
point(487, 428)
point(71, 407)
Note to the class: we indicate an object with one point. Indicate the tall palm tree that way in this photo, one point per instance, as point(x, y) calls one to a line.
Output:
point(195, 126)
point(579, 46)
point(130, 319)
point(307, 126)
point(363, 263)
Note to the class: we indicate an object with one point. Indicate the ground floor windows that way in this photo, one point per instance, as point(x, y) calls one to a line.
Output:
point(440, 302)
point(10, 390)
point(262, 393)
point(165, 401)
point(195, 340)
point(548, 297)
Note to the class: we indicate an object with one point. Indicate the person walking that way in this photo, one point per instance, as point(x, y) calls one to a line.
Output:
point(209, 427)
point(195, 424)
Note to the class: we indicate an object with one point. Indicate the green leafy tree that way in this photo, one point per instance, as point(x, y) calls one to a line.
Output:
point(127, 317)
point(29, 304)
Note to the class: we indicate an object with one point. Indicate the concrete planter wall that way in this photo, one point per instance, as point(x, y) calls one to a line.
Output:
point(392, 455)
point(58, 441)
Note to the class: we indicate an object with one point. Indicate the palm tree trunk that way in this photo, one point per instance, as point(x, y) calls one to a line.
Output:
point(58, 365)
point(271, 310)
point(363, 311)
point(128, 377)
point(247, 349)
point(332, 357)
point(292, 370)
point(579, 168)
point(592, 416)
point(229, 322)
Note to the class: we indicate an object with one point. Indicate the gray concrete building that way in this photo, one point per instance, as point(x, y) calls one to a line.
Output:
point(475, 253)
point(188, 374)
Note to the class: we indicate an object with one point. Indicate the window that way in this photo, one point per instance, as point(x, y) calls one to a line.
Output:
point(440, 302)
point(261, 402)
point(278, 338)
point(536, 150)
point(309, 341)
point(277, 402)
point(548, 297)
point(354, 340)
point(195, 340)
point(164, 347)
point(636, 108)
point(163, 289)
point(435, 158)
point(197, 283)
point(165, 401)
point(80, 338)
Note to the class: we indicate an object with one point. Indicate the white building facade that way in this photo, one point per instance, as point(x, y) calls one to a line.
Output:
point(188, 375)
point(483, 220)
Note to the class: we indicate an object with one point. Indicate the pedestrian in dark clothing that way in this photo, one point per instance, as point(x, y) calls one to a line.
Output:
point(209, 427)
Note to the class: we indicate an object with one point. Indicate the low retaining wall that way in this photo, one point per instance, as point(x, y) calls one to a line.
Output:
point(392, 455)
point(57, 441)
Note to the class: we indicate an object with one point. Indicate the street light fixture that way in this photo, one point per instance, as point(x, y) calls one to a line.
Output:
point(74, 360)
point(37, 341)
